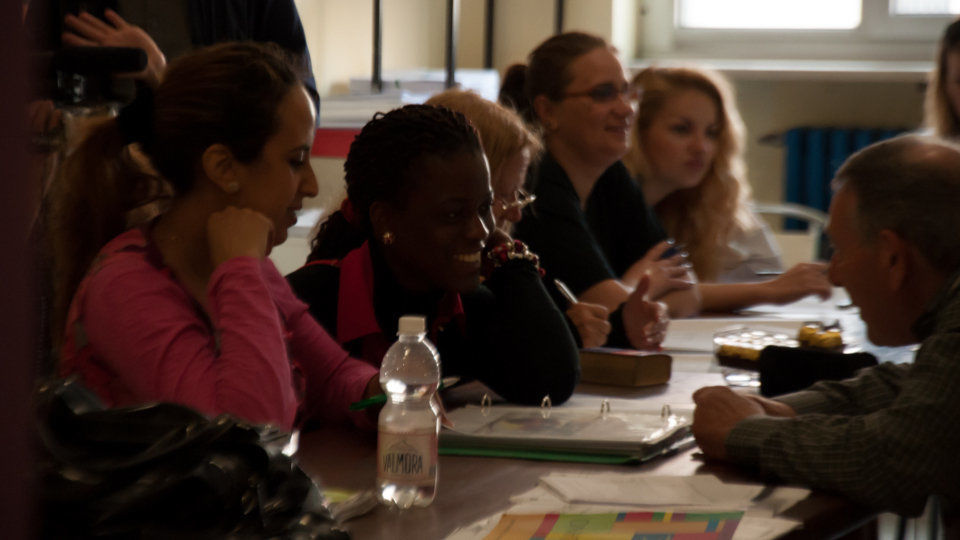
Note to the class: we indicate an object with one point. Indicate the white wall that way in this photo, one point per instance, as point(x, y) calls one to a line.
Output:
point(340, 37)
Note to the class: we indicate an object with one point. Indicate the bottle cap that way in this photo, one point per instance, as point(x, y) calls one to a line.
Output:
point(411, 325)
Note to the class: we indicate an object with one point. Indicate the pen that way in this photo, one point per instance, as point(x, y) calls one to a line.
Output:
point(565, 291)
point(380, 399)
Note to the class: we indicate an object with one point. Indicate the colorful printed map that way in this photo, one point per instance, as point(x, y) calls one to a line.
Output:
point(620, 526)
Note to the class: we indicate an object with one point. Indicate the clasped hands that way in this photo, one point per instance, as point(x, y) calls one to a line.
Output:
point(719, 409)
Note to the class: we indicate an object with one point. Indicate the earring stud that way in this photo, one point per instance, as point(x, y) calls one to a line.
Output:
point(387, 238)
point(232, 188)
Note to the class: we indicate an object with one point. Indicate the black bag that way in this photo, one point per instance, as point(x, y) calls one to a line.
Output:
point(788, 369)
point(165, 470)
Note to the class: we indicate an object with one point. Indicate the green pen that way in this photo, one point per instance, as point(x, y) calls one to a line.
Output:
point(380, 399)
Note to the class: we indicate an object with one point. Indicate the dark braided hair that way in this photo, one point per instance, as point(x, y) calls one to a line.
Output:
point(379, 163)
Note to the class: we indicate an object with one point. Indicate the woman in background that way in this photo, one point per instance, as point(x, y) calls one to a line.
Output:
point(589, 222)
point(187, 307)
point(686, 153)
point(509, 147)
point(414, 235)
point(942, 104)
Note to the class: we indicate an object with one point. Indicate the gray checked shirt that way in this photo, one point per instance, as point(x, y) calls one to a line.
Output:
point(887, 438)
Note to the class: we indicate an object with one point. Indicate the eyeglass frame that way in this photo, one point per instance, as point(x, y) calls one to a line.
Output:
point(606, 92)
point(521, 199)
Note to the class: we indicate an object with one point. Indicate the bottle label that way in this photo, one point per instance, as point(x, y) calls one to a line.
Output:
point(409, 457)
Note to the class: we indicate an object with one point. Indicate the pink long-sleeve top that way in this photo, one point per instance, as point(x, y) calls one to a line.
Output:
point(134, 335)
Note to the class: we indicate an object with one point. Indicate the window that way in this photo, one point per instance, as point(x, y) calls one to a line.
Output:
point(769, 14)
point(888, 30)
point(924, 7)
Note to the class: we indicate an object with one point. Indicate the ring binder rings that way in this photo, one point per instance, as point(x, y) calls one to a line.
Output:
point(563, 433)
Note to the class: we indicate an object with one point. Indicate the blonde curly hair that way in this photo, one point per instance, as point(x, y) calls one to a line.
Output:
point(705, 216)
point(938, 112)
point(502, 131)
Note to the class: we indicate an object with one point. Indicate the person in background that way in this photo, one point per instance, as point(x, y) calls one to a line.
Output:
point(886, 438)
point(589, 222)
point(686, 152)
point(510, 147)
point(186, 307)
point(166, 30)
point(942, 104)
point(414, 235)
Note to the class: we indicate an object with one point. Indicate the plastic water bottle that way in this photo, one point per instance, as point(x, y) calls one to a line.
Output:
point(409, 425)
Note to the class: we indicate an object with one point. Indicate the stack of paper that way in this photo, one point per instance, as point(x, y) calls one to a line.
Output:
point(598, 499)
point(643, 489)
point(353, 111)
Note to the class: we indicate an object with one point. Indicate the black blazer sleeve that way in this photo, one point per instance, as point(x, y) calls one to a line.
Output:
point(518, 342)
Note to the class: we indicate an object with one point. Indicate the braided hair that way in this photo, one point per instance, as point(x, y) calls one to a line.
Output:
point(378, 168)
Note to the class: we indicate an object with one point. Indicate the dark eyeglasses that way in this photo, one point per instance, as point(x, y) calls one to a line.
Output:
point(607, 92)
point(521, 198)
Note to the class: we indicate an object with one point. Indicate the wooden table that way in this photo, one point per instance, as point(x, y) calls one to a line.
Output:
point(472, 488)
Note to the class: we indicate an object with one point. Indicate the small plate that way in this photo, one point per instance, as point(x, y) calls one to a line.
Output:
point(737, 349)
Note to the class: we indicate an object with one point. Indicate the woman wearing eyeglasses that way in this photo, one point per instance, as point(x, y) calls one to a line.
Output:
point(510, 147)
point(414, 236)
point(590, 223)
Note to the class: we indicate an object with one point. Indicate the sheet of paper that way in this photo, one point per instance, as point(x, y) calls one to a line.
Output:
point(626, 525)
point(676, 393)
point(644, 489)
point(757, 523)
point(778, 500)
point(805, 307)
point(753, 525)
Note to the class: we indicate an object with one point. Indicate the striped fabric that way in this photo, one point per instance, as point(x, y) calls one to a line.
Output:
point(813, 155)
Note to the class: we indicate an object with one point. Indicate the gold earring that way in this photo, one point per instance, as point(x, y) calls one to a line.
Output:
point(232, 188)
point(387, 238)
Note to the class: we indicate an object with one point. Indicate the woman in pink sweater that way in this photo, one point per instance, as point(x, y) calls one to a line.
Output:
point(185, 306)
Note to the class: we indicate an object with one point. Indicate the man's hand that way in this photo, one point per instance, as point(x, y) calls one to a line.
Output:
point(89, 31)
point(771, 407)
point(718, 410)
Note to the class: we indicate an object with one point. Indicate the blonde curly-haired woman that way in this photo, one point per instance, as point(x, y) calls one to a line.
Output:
point(686, 153)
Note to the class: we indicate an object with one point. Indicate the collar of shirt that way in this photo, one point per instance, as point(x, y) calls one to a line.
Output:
point(926, 323)
point(356, 315)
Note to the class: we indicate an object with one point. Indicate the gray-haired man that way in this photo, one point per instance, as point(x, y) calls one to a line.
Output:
point(888, 438)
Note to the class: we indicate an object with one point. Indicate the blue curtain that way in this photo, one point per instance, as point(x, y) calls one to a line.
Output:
point(814, 155)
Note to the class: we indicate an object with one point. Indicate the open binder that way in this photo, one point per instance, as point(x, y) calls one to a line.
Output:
point(564, 434)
